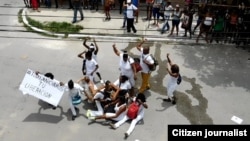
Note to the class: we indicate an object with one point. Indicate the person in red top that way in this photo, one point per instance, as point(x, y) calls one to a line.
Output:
point(232, 25)
point(35, 5)
point(107, 7)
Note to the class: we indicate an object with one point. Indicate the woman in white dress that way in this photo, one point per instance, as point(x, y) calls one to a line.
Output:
point(173, 70)
point(126, 67)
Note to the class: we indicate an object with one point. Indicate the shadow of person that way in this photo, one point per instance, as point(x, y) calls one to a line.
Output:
point(42, 117)
point(164, 104)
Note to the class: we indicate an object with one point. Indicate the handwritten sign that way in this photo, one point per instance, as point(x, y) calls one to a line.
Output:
point(42, 87)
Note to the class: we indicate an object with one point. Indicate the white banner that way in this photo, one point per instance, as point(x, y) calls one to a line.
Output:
point(42, 87)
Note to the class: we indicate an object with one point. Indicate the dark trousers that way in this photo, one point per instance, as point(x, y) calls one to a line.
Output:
point(130, 24)
point(149, 10)
point(70, 4)
point(56, 3)
point(120, 6)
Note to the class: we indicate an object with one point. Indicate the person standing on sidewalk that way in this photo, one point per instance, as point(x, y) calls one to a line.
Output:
point(35, 5)
point(145, 61)
point(176, 18)
point(136, 14)
point(77, 6)
point(131, 10)
point(107, 8)
point(156, 11)
point(149, 4)
point(167, 13)
point(124, 14)
point(27, 3)
point(121, 6)
point(70, 4)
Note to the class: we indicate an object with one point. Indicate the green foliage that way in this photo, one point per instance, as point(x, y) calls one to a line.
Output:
point(56, 27)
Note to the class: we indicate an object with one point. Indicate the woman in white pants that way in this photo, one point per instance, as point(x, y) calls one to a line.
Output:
point(173, 71)
point(141, 101)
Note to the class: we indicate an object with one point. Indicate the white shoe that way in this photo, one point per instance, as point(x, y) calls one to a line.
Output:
point(88, 113)
point(91, 118)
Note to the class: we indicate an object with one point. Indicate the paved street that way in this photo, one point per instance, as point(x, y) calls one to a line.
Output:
point(215, 86)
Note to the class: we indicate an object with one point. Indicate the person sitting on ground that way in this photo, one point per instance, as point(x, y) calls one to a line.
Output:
point(120, 111)
point(101, 98)
point(140, 100)
point(123, 84)
point(88, 85)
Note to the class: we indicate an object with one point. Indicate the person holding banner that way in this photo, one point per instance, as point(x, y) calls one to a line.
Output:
point(43, 87)
point(51, 76)
point(74, 92)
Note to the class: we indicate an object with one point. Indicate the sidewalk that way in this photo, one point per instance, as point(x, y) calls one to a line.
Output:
point(95, 25)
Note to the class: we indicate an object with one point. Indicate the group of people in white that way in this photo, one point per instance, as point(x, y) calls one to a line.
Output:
point(111, 99)
point(116, 102)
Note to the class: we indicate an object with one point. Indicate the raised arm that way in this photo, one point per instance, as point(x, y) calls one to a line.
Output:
point(134, 69)
point(144, 104)
point(115, 94)
point(115, 50)
point(139, 46)
point(84, 43)
point(169, 67)
point(169, 60)
point(96, 47)
point(80, 55)
point(124, 4)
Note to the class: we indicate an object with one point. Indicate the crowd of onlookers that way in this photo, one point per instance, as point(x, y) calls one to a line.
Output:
point(217, 21)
